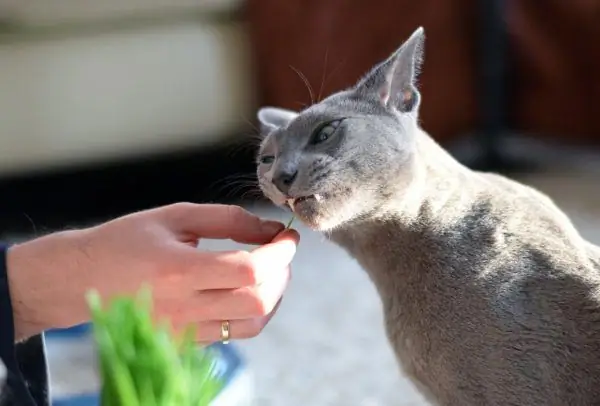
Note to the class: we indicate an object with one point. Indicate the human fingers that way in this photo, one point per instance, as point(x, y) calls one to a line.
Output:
point(209, 270)
point(220, 221)
point(210, 331)
point(227, 304)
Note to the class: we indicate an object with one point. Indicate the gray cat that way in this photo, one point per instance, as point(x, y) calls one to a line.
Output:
point(490, 295)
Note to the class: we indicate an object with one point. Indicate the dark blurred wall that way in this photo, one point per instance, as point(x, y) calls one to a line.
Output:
point(556, 48)
point(333, 43)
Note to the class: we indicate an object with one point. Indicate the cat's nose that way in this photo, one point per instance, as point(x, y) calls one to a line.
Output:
point(284, 179)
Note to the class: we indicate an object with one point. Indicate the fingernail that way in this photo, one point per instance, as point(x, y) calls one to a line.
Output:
point(272, 227)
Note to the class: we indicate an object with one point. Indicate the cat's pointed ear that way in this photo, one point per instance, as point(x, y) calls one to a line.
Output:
point(393, 81)
point(272, 118)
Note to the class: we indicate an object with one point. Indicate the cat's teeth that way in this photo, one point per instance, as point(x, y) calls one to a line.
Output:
point(290, 202)
point(318, 198)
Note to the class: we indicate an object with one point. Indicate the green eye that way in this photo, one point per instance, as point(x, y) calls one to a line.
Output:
point(267, 159)
point(325, 131)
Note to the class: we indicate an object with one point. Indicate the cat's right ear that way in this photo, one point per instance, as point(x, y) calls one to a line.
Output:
point(272, 118)
point(394, 81)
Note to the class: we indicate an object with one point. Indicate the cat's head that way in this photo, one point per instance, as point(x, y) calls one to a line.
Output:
point(348, 155)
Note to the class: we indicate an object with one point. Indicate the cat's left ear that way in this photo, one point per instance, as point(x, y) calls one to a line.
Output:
point(393, 81)
point(272, 118)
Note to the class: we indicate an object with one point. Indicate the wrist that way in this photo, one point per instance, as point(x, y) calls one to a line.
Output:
point(46, 279)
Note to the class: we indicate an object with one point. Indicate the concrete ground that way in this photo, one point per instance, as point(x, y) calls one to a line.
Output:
point(327, 347)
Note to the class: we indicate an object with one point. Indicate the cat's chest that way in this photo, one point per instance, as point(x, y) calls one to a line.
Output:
point(424, 298)
point(418, 321)
point(416, 295)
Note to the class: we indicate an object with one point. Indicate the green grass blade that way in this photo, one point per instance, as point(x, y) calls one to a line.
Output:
point(142, 364)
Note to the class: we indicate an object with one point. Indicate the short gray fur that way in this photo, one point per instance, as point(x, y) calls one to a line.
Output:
point(490, 295)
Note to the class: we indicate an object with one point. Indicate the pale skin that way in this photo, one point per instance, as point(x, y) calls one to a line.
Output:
point(49, 276)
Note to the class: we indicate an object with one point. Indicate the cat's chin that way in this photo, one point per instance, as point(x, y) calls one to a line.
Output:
point(315, 223)
point(318, 213)
point(321, 223)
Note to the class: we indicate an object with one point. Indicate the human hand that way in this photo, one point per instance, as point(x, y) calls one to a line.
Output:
point(49, 276)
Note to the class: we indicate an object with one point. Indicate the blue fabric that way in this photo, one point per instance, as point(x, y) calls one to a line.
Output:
point(27, 373)
point(79, 400)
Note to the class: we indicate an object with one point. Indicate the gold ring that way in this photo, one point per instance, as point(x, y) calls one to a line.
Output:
point(225, 332)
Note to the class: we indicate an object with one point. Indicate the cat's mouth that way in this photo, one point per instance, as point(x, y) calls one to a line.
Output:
point(297, 203)
point(313, 210)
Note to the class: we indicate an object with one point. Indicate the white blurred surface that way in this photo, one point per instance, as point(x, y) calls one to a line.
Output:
point(51, 12)
point(100, 96)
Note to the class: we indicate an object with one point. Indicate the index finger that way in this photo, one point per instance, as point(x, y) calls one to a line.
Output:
point(222, 221)
point(235, 269)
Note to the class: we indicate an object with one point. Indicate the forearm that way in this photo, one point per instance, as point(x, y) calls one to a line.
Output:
point(46, 279)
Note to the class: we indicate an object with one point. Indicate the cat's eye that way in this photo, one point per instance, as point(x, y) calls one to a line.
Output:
point(325, 131)
point(267, 159)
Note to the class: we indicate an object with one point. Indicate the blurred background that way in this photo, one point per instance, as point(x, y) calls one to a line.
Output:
point(118, 105)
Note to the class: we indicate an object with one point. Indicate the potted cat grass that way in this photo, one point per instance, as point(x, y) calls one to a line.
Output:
point(141, 364)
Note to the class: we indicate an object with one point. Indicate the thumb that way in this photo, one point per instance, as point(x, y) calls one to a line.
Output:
point(288, 234)
point(278, 253)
